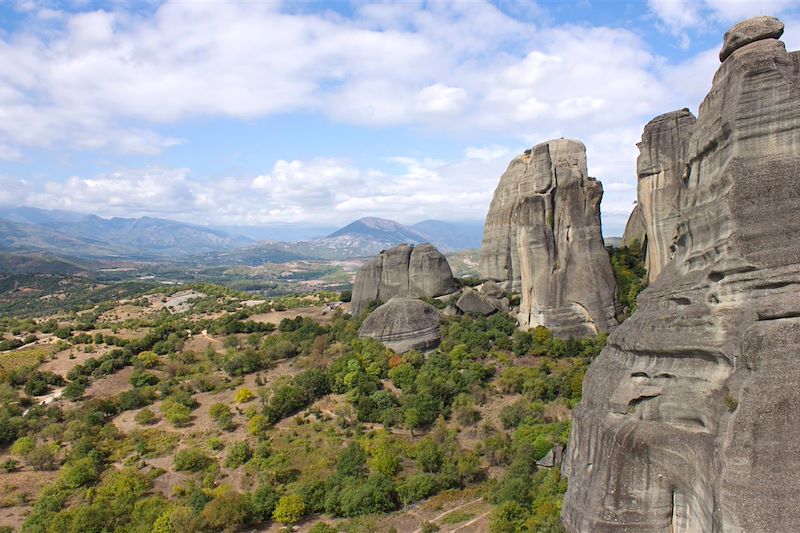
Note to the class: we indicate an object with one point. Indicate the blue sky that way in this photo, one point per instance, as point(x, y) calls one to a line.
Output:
point(318, 113)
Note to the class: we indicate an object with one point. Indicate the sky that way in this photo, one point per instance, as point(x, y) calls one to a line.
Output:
point(318, 113)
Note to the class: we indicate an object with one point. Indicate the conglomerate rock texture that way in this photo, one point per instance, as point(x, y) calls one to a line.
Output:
point(543, 238)
point(403, 324)
point(660, 168)
point(415, 271)
point(689, 420)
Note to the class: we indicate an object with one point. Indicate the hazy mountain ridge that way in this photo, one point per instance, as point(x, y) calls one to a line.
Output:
point(76, 235)
point(79, 235)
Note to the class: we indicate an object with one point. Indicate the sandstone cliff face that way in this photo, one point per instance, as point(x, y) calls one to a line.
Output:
point(542, 237)
point(404, 270)
point(660, 168)
point(689, 420)
point(634, 228)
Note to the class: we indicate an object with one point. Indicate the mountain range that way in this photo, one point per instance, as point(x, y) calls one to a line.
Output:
point(75, 235)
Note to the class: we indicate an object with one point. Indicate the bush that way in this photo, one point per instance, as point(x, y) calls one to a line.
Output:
point(176, 414)
point(352, 461)
point(227, 512)
point(223, 416)
point(238, 454)
point(244, 395)
point(322, 527)
point(23, 445)
point(289, 510)
point(143, 379)
point(192, 460)
point(74, 391)
point(41, 458)
point(417, 487)
point(360, 497)
point(263, 502)
point(146, 417)
point(81, 473)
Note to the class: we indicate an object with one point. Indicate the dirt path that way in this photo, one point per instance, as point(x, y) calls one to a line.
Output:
point(47, 399)
point(474, 520)
point(454, 509)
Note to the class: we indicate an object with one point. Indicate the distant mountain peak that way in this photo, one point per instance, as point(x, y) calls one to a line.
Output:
point(373, 226)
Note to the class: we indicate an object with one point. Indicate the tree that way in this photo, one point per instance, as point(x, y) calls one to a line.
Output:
point(263, 502)
point(290, 509)
point(227, 511)
point(352, 461)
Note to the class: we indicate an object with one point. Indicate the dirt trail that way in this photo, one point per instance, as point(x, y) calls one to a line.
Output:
point(450, 511)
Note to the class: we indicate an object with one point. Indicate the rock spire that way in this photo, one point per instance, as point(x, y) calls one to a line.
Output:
point(543, 238)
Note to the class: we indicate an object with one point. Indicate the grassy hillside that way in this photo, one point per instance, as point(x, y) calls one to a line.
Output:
point(200, 409)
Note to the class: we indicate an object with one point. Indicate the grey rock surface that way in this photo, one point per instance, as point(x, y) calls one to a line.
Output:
point(689, 418)
point(634, 228)
point(750, 31)
point(543, 238)
point(660, 168)
point(405, 270)
point(473, 302)
point(492, 289)
point(403, 324)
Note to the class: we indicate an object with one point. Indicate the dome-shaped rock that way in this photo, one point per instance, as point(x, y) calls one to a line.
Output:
point(750, 31)
point(403, 324)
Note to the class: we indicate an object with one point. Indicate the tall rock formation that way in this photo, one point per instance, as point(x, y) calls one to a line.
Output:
point(634, 228)
point(660, 168)
point(542, 237)
point(405, 270)
point(689, 418)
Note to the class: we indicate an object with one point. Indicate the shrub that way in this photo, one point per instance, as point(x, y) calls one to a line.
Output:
point(238, 454)
point(143, 379)
point(176, 413)
point(146, 417)
point(352, 461)
point(258, 425)
point(223, 416)
point(41, 458)
point(148, 359)
point(263, 502)
point(322, 527)
point(81, 473)
point(374, 495)
point(289, 510)
point(417, 487)
point(74, 391)
point(227, 511)
point(244, 395)
point(192, 460)
point(731, 403)
point(23, 445)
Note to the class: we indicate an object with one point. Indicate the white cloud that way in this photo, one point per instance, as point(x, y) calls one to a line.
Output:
point(676, 14)
point(486, 153)
point(115, 80)
point(682, 15)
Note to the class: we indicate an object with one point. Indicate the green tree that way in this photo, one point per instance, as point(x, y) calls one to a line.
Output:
point(289, 510)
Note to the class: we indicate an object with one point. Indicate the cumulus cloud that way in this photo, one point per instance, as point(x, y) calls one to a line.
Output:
point(117, 80)
point(681, 15)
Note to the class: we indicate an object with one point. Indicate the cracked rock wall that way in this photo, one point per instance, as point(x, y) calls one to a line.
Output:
point(410, 271)
point(543, 238)
point(689, 419)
